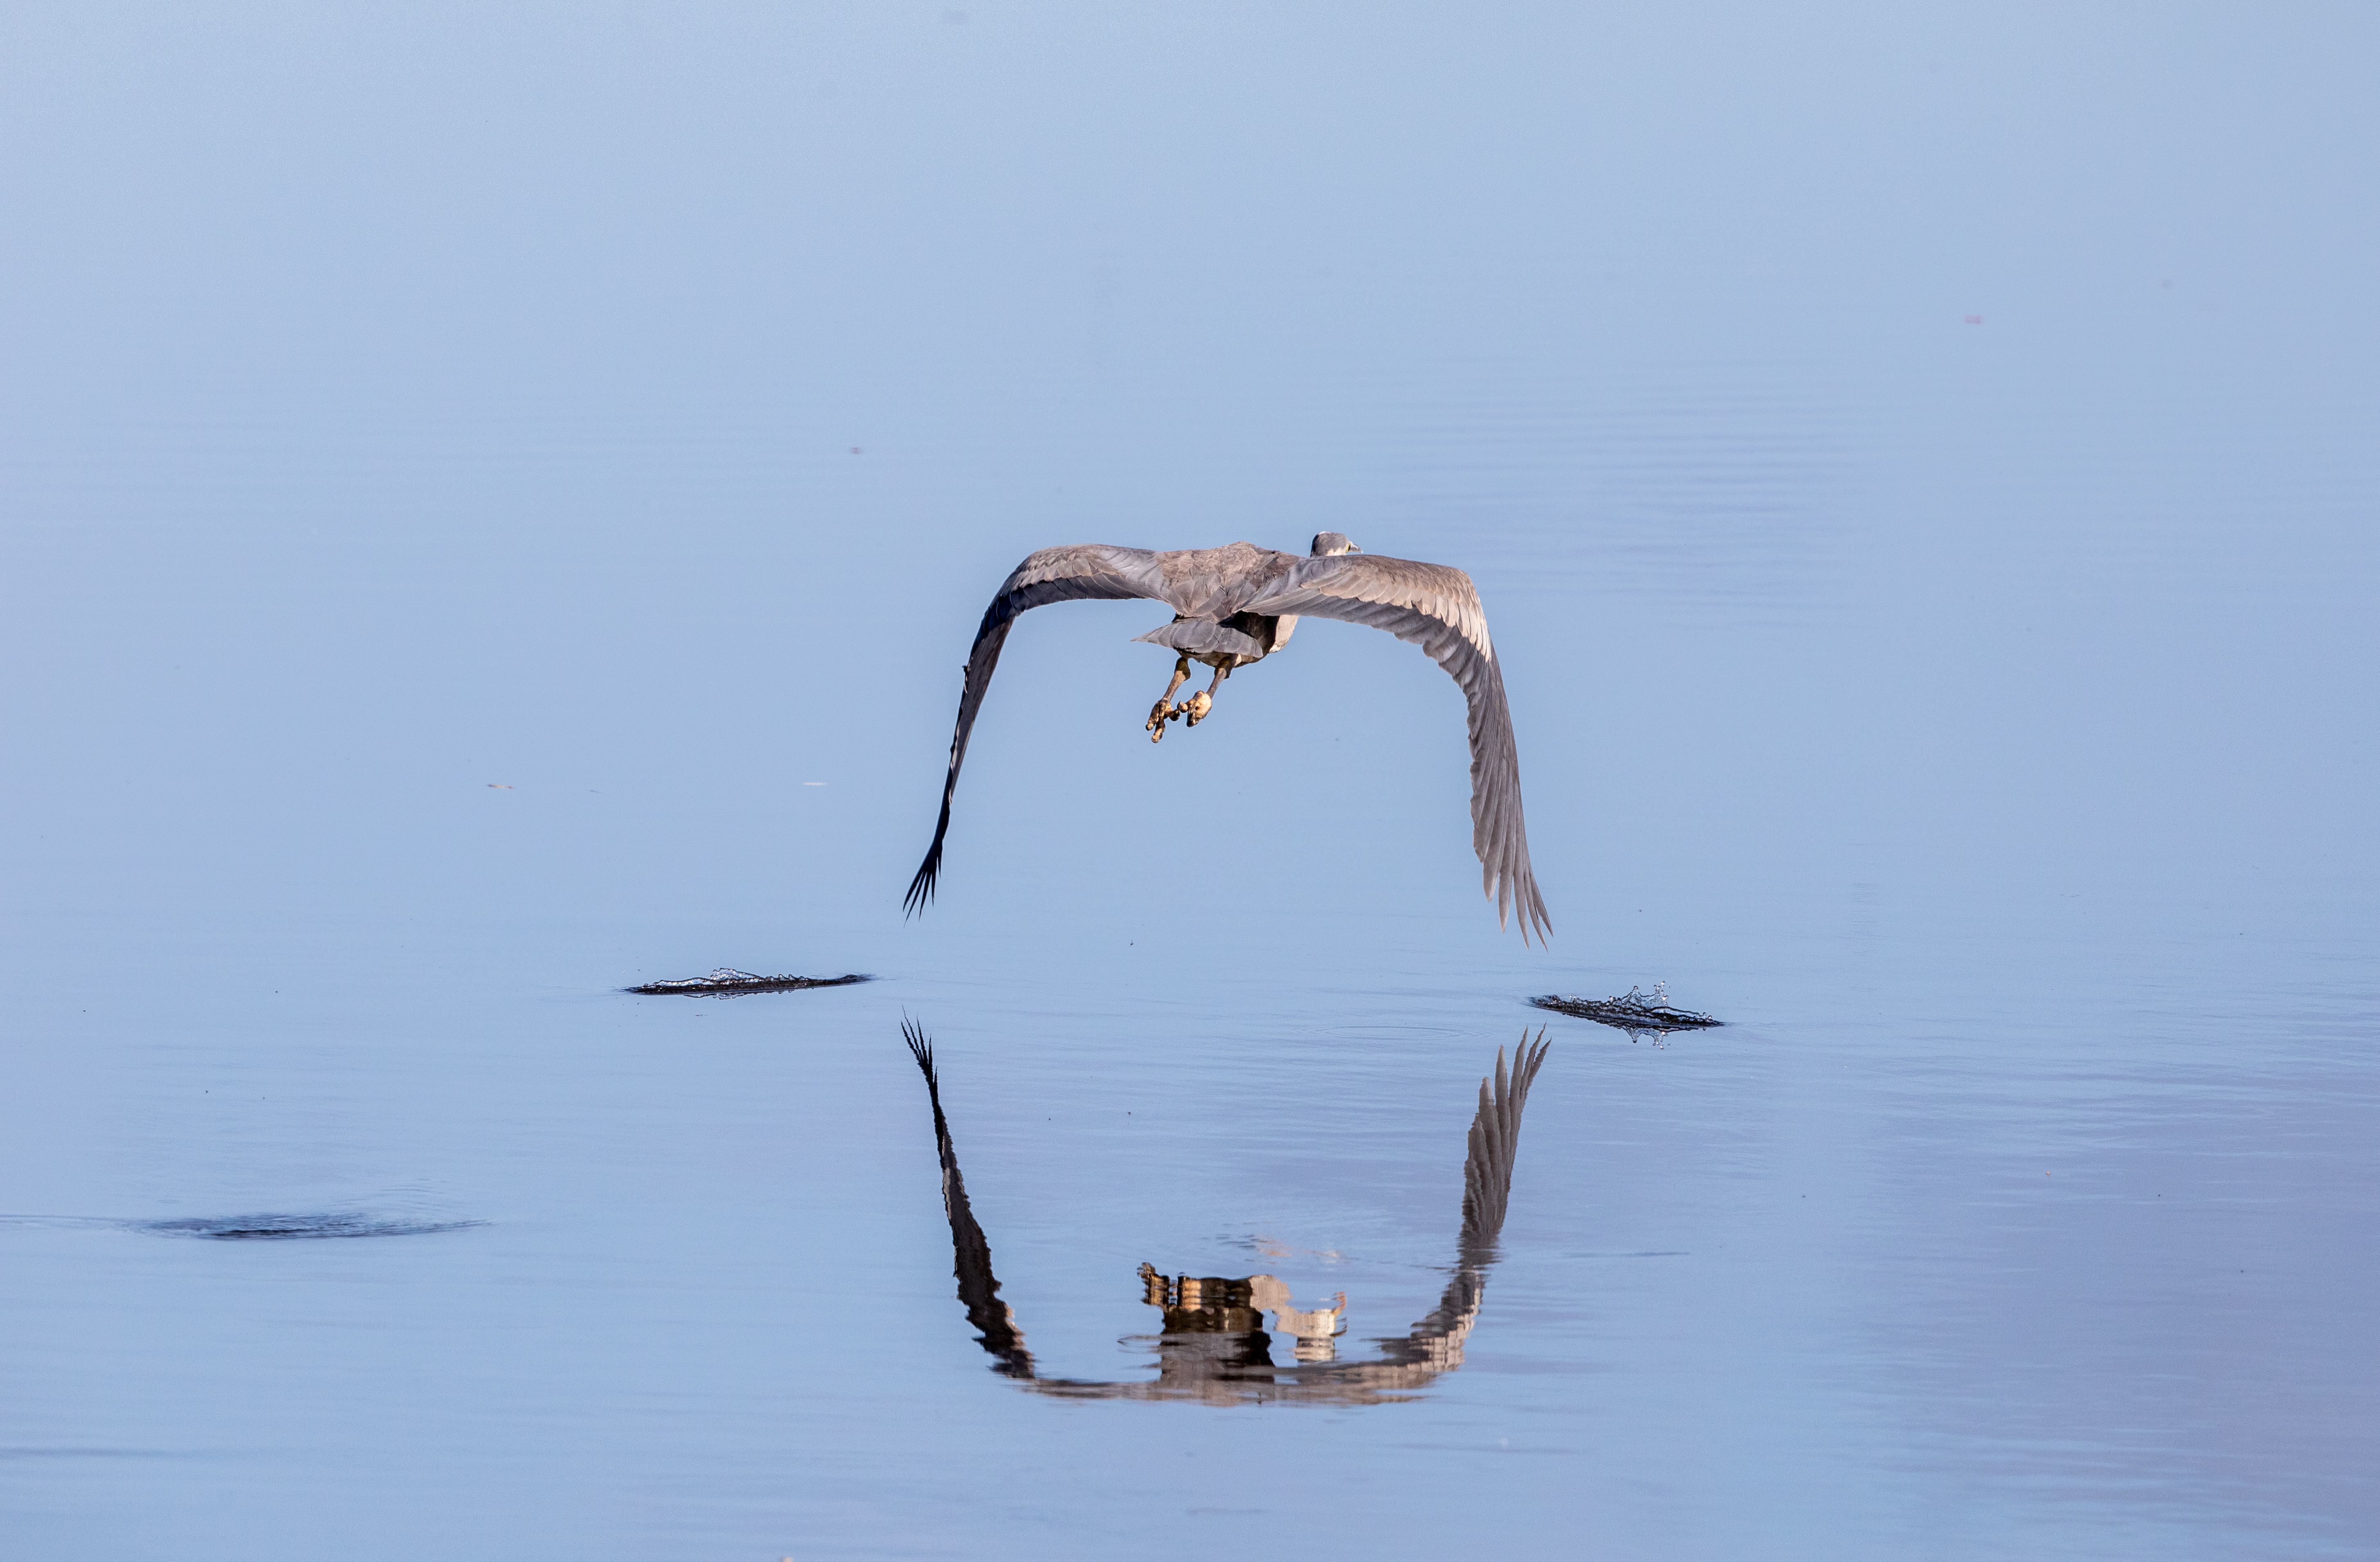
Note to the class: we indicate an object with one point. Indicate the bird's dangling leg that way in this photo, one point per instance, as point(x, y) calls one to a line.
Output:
point(1165, 710)
point(1197, 705)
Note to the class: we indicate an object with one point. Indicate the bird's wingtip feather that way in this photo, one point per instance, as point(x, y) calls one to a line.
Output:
point(921, 1048)
point(922, 889)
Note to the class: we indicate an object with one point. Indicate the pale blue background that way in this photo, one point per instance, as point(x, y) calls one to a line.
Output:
point(1919, 467)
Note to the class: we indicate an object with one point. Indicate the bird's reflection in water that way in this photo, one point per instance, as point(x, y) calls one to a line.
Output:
point(1212, 1305)
point(1215, 1346)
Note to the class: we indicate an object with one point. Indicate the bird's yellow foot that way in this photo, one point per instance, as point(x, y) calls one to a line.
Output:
point(1164, 710)
point(1196, 707)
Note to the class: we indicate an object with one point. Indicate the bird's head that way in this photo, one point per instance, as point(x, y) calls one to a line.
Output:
point(1327, 543)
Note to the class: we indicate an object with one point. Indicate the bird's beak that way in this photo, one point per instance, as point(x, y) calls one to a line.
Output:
point(1353, 549)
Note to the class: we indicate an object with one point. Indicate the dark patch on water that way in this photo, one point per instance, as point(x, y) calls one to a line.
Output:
point(296, 1228)
point(1638, 1016)
point(728, 982)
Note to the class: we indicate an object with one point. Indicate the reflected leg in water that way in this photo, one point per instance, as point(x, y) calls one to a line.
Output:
point(1317, 1329)
point(1215, 1347)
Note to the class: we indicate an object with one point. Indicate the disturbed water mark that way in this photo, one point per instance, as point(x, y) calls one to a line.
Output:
point(728, 982)
point(1637, 1014)
point(295, 1227)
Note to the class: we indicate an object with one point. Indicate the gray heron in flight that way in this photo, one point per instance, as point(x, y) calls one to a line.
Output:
point(1237, 605)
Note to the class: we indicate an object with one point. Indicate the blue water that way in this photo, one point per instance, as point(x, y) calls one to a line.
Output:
point(495, 504)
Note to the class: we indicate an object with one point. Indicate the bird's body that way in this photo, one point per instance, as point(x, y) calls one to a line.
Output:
point(1234, 606)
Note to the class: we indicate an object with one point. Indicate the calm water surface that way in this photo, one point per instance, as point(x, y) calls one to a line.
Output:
point(496, 501)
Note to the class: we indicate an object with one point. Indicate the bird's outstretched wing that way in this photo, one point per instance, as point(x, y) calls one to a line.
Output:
point(1079, 571)
point(1438, 608)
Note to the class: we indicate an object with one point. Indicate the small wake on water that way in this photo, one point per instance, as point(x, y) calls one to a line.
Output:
point(1640, 1015)
point(295, 1228)
point(253, 1227)
point(728, 982)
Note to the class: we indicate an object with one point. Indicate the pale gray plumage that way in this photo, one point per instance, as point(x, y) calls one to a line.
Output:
point(1233, 606)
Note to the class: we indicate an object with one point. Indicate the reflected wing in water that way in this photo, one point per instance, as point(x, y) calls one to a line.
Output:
point(979, 1288)
point(1215, 1348)
point(1437, 1340)
point(1495, 1140)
